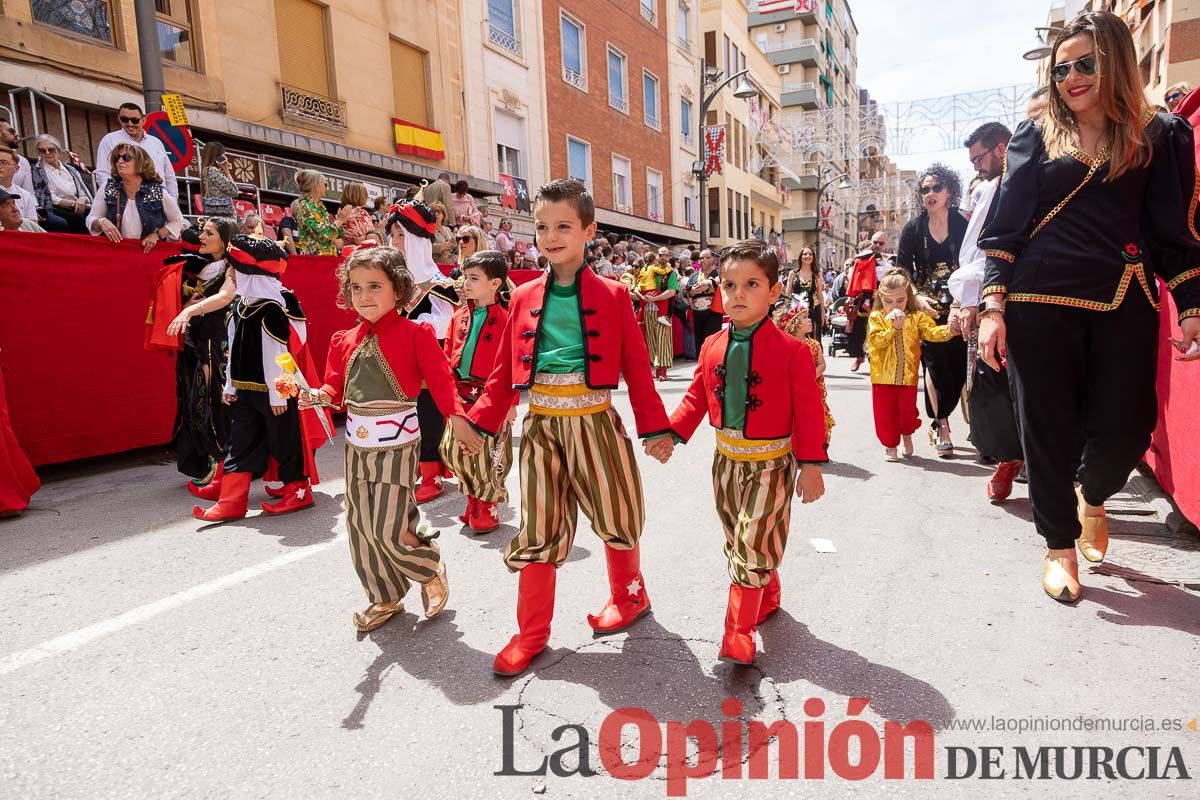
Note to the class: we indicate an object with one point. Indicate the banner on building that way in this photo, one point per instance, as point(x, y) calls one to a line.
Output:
point(417, 140)
point(825, 210)
point(714, 150)
point(523, 202)
point(796, 6)
point(508, 197)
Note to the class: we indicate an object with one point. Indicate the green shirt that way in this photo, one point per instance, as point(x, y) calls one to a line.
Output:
point(560, 346)
point(468, 354)
point(737, 364)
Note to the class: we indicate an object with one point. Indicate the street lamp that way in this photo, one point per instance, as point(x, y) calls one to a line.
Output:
point(1044, 44)
point(744, 90)
point(843, 183)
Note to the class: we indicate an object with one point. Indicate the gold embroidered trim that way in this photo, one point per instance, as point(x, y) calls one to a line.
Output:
point(1093, 165)
point(1003, 255)
point(379, 411)
point(898, 335)
point(587, 399)
point(1191, 312)
point(369, 348)
point(555, 379)
point(250, 386)
point(993, 289)
point(1184, 276)
point(1191, 218)
point(584, 411)
point(1092, 305)
point(731, 444)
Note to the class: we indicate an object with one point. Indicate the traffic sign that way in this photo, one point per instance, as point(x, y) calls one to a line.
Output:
point(176, 111)
point(177, 139)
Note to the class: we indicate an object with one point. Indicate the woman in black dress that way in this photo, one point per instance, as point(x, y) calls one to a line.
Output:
point(928, 249)
point(808, 287)
point(1098, 197)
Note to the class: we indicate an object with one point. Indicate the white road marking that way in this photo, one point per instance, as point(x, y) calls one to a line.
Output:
point(823, 545)
point(73, 641)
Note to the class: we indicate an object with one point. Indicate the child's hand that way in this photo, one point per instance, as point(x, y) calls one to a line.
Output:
point(955, 324)
point(660, 449)
point(897, 317)
point(469, 440)
point(810, 485)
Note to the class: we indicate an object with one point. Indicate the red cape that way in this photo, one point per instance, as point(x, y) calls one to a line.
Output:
point(165, 289)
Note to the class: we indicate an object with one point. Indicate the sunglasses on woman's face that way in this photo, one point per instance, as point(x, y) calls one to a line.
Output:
point(125, 157)
point(465, 239)
point(1084, 66)
point(1171, 98)
point(937, 187)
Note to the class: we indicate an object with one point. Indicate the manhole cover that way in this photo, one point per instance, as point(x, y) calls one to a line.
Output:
point(1160, 559)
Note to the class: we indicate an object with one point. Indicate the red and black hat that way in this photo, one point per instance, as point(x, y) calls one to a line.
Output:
point(415, 217)
point(252, 256)
point(189, 255)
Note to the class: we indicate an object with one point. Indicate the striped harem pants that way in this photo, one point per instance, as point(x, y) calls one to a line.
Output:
point(659, 338)
point(753, 482)
point(483, 475)
point(379, 509)
point(572, 461)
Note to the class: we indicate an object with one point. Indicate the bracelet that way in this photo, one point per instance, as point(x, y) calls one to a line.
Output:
point(992, 310)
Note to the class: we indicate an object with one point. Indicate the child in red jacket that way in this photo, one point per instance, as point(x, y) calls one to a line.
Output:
point(759, 389)
point(376, 370)
point(570, 337)
point(472, 345)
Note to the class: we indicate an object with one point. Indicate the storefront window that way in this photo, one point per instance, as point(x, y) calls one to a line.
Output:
point(90, 18)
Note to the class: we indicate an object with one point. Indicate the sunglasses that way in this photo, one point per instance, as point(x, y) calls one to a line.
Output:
point(47, 150)
point(129, 120)
point(1171, 98)
point(465, 239)
point(937, 187)
point(126, 157)
point(1084, 66)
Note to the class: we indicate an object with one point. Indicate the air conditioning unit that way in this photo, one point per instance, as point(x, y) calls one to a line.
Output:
point(781, 27)
point(784, 69)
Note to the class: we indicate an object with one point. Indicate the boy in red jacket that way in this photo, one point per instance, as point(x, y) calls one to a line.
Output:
point(569, 339)
point(759, 390)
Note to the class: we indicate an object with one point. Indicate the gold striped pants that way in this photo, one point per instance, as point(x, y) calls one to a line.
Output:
point(754, 504)
point(379, 509)
point(659, 340)
point(569, 463)
point(481, 476)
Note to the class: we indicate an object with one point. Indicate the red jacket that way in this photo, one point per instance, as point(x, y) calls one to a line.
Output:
point(486, 347)
point(782, 396)
point(411, 350)
point(612, 342)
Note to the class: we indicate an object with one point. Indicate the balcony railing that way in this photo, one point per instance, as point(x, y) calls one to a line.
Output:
point(789, 44)
point(684, 43)
point(651, 120)
point(576, 79)
point(649, 13)
point(619, 103)
point(800, 87)
point(689, 139)
point(312, 110)
point(503, 39)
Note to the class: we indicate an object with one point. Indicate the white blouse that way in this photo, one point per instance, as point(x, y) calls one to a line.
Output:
point(131, 223)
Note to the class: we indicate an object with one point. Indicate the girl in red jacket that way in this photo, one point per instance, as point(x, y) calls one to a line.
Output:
point(473, 347)
point(376, 370)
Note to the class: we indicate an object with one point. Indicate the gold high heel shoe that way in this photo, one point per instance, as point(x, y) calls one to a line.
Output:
point(1093, 540)
point(435, 592)
point(375, 615)
point(1060, 576)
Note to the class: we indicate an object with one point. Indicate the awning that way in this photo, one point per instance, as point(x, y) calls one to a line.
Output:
point(627, 223)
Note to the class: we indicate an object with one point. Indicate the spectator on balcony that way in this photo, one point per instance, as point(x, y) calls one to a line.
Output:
point(438, 191)
point(251, 225)
point(445, 249)
point(63, 198)
point(379, 209)
point(10, 215)
point(9, 138)
point(318, 230)
point(357, 222)
point(134, 204)
point(489, 238)
point(216, 182)
point(466, 210)
point(25, 201)
point(131, 132)
point(504, 239)
point(287, 231)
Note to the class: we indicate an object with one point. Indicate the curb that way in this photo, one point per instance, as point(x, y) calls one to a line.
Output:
point(1144, 483)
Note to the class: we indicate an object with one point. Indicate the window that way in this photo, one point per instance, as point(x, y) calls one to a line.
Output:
point(725, 63)
point(574, 53)
point(649, 12)
point(303, 56)
point(621, 170)
point(685, 122)
point(714, 213)
point(650, 100)
point(175, 32)
point(579, 161)
point(410, 100)
point(689, 211)
point(90, 18)
point(729, 209)
point(618, 88)
point(710, 47)
point(510, 144)
point(654, 194)
point(684, 25)
point(503, 27)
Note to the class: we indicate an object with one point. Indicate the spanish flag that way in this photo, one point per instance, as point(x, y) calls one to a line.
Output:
point(417, 140)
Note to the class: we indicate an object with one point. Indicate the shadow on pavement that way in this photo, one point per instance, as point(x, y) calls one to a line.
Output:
point(844, 469)
point(1154, 604)
point(967, 469)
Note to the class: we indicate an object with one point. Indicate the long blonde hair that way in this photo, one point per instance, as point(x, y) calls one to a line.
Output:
point(1121, 95)
point(897, 280)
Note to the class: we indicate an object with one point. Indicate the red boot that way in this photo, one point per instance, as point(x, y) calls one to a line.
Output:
point(465, 517)
point(275, 491)
point(235, 491)
point(296, 495)
point(483, 517)
point(627, 600)
point(431, 482)
point(211, 490)
point(447, 472)
point(535, 609)
point(737, 646)
point(772, 597)
point(999, 487)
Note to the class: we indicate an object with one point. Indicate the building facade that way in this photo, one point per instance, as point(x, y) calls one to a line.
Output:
point(683, 37)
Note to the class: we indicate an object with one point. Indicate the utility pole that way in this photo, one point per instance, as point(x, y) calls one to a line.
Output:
point(150, 54)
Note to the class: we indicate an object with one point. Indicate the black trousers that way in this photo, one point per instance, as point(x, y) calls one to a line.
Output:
point(946, 374)
point(59, 220)
point(993, 419)
point(1085, 377)
point(858, 337)
point(432, 425)
point(255, 433)
point(707, 323)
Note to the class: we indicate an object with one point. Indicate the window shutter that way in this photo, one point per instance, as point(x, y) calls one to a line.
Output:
point(303, 60)
point(410, 102)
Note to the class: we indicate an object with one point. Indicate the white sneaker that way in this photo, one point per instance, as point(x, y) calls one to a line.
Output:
point(890, 454)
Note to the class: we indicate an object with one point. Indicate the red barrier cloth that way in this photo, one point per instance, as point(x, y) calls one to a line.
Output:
point(1175, 447)
point(18, 481)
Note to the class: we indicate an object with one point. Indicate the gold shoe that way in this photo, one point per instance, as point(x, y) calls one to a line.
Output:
point(435, 592)
point(1060, 576)
point(1093, 540)
point(375, 615)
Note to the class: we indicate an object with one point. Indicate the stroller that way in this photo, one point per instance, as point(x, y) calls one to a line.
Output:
point(837, 327)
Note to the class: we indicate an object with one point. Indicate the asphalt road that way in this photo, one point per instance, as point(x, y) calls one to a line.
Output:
point(143, 654)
